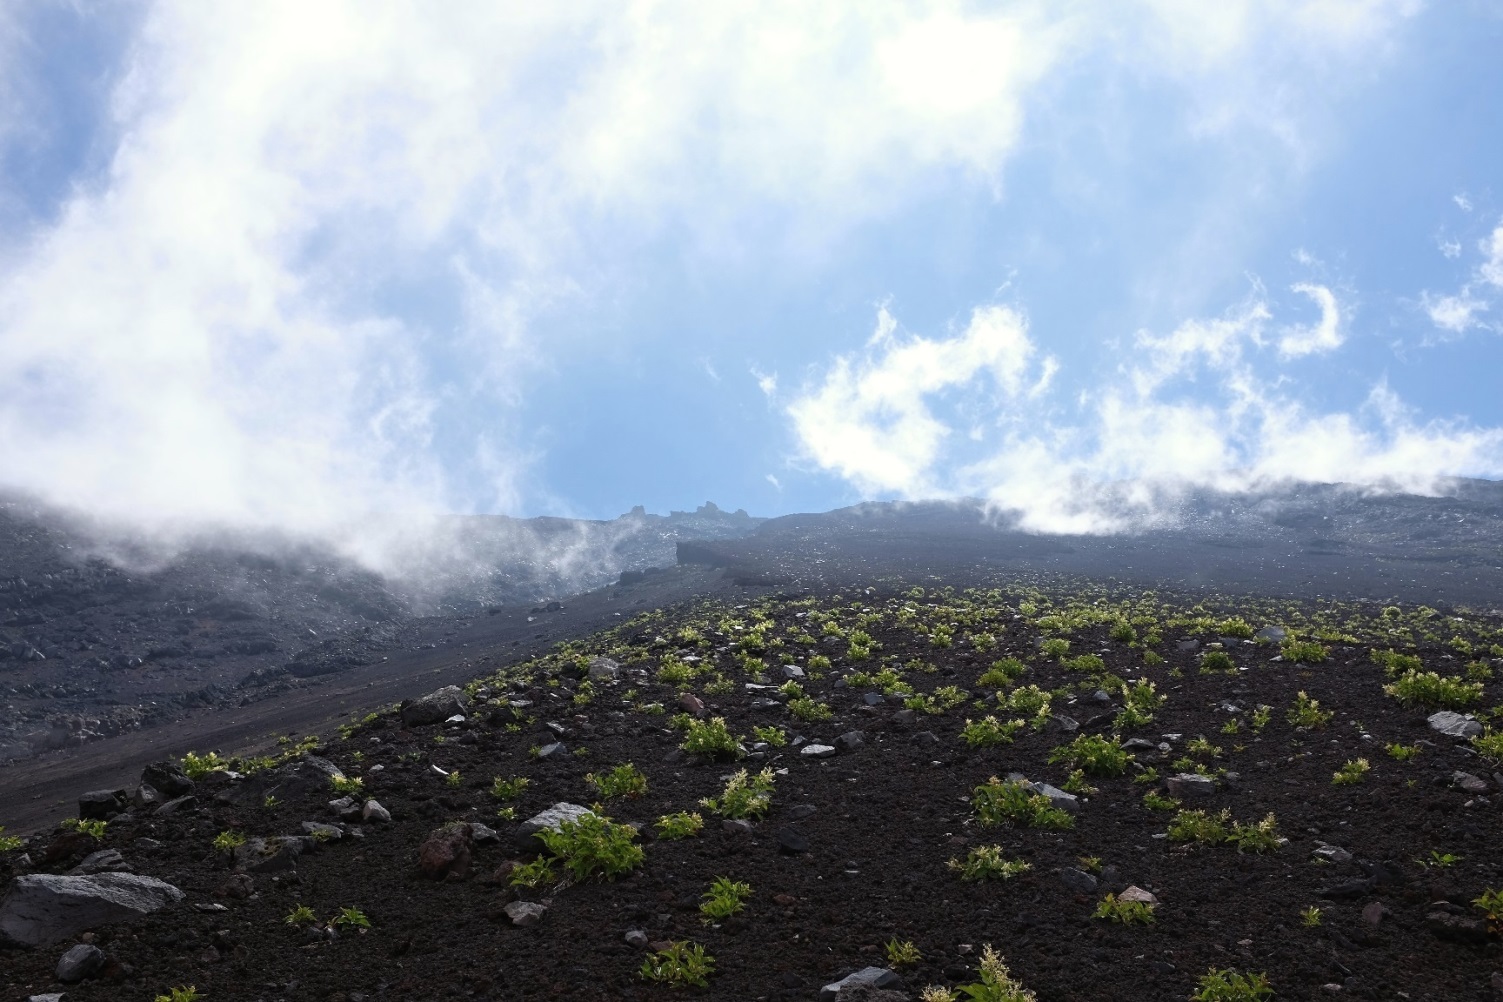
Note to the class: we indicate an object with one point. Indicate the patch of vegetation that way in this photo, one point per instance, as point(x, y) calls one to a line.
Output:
point(988, 862)
point(1155, 801)
point(1093, 754)
point(680, 964)
point(726, 897)
point(1212, 662)
point(351, 918)
point(1401, 753)
point(509, 789)
point(997, 801)
point(744, 796)
point(93, 829)
point(1490, 903)
point(899, 954)
point(624, 780)
point(1433, 690)
point(996, 985)
point(1114, 909)
point(347, 785)
point(679, 825)
point(1489, 744)
point(182, 993)
point(1228, 985)
point(1306, 712)
point(228, 841)
point(301, 915)
point(1002, 673)
point(710, 738)
point(594, 843)
point(1310, 917)
point(1304, 651)
point(989, 731)
point(1354, 771)
point(810, 710)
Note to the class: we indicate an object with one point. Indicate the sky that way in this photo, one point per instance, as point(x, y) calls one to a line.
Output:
point(279, 264)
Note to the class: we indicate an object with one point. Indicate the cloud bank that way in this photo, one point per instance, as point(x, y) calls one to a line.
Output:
point(1209, 404)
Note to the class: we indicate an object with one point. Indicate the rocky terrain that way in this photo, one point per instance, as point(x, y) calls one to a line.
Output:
point(1115, 793)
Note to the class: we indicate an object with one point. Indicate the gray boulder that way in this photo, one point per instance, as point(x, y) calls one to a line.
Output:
point(40, 908)
point(867, 977)
point(1454, 725)
point(437, 706)
point(1190, 784)
point(603, 669)
point(167, 778)
point(81, 961)
point(101, 805)
point(548, 820)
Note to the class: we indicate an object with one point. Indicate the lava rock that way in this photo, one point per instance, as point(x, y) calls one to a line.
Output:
point(40, 909)
point(813, 750)
point(435, 707)
point(167, 778)
point(603, 669)
point(850, 741)
point(445, 852)
point(101, 805)
point(1454, 725)
point(867, 977)
point(525, 913)
point(1190, 784)
point(790, 840)
point(81, 961)
point(1077, 881)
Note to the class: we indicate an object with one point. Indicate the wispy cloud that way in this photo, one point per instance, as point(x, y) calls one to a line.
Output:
point(1461, 311)
point(889, 421)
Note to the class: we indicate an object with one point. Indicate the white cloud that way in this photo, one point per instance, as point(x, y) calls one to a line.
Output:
point(774, 481)
point(1449, 248)
point(1491, 270)
point(1455, 313)
point(1324, 335)
point(1136, 440)
point(1462, 201)
point(767, 382)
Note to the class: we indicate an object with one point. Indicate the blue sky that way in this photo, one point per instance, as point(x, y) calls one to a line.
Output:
point(278, 264)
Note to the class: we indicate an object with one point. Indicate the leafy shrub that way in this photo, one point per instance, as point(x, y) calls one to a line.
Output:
point(1087, 663)
point(228, 841)
point(1352, 772)
point(593, 843)
point(772, 734)
point(1199, 826)
point(1433, 690)
point(1139, 702)
point(1155, 801)
point(1029, 700)
point(1402, 753)
point(1260, 836)
point(625, 780)
point(198, 766)
point(1489, 744)
point(1122, 631)
point(989, 731)
point(1094, 754)
point(1229, 986)
point(679, 825)
point(1055, 647)
point(1395, 663)
point(182, 993)
point(809, 709)
point(509, 789)
point(996, 985)
point(301, 915)
point(710, 738)
point(1214, 661)
point(902, 953)
point(1235, 627)
point(1002, 673)
point(988, 862)
point(725, 898)
point(680, 964)
point(1491, 906)
point(996, 801)
point(744, 796)
point(347, 785)
point(1304, 651)
point(351, 918)
point(1306, 712)
point(1114, 909)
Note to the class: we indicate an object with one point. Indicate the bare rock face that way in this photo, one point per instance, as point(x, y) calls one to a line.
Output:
point(435, 707)
point(445, 852)
point(40, 909)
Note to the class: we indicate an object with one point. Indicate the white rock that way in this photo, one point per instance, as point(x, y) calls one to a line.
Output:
point(1454, 725)
point(816, 751)
point(525, 913)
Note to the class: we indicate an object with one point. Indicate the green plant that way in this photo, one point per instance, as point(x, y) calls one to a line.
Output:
point(182, 993)
point(509, 789)
point(1402, 753)
point(744, 796)
point(1395, 663)
point(1306, 712)
point(1055, 647)
point(726, 897)
point(1122, 631)
point(997, 983)
point(9, 843)
point(538, 873)
point(997, 801)
point(679, 825)
point(1260, 718)
point(1216, 661)
point(198, 766)
point(1198, 745)
point(679, 964)
point(772, 734)
point(93, 829)
point(1491, 905)
point(1029, 700)
point(1304, 651)
point(988, 862)
point(592, 843)
point(1094, 754)
point(810, 710)
point(349, 785)
point(1152, 659)
point(902, 953)
point(453, 778)
point(1002, 673)
point(1232, 726)
point(301, 915)
point(1260, 836)
point(351, 918)
point(625, 780)
point(1155, 801)
point(1489, 744)
point(1229, 986)
point(1140, 701)
point(710, 738)
point(1440, 860)
point(1087, 663)
point(269, 802)
point(228, 841)
point(1114, 909)
point(989, 731)
point(1354, 771)
point(1199, 826)
point(1310, 917)
point(1076, 783)
point(1433, 690)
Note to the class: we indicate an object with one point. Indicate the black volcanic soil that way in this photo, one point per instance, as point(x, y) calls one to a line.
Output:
point(886, 817)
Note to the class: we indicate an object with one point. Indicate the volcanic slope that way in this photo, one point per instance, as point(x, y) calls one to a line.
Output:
point(1258, 787)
